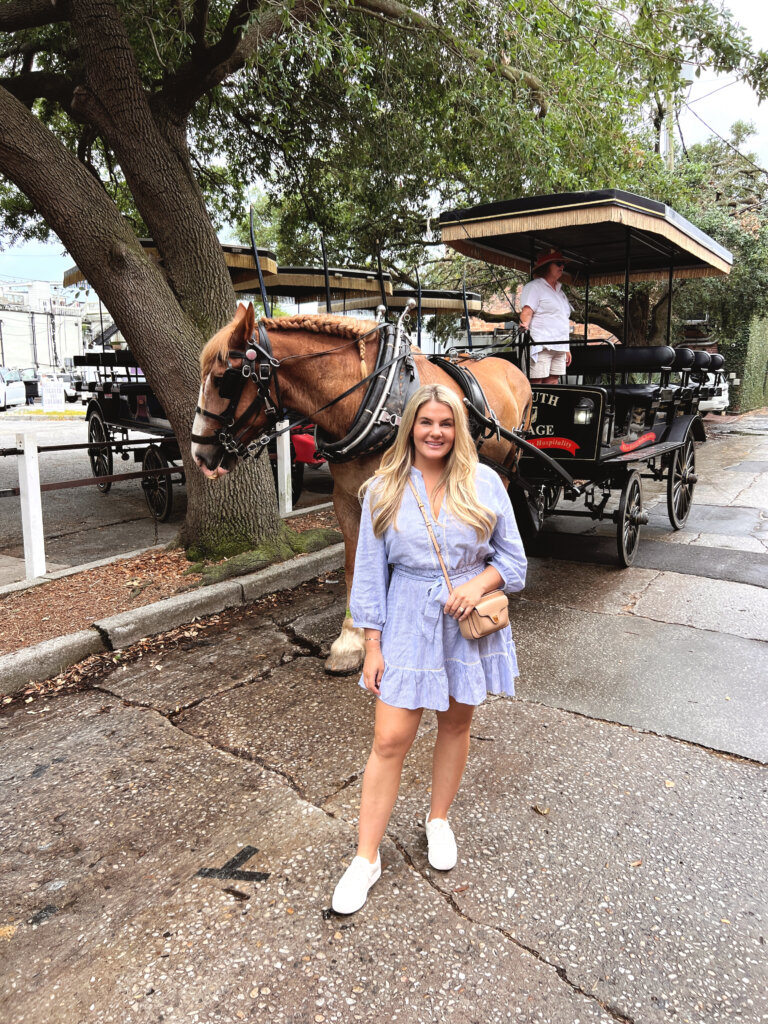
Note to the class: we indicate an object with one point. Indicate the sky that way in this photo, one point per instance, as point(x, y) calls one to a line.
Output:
point(713, 103)
point(732, 101)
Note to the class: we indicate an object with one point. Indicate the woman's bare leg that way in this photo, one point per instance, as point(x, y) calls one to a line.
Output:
point(450, 757)
point(393, 736)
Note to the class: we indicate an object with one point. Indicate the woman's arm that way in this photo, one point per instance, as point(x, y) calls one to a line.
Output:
point(368, 597)
point(508, 554)
point(526, 314)
point(373, 666)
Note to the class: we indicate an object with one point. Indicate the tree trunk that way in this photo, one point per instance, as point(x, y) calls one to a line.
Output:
point(637, 326)
point(164, 339)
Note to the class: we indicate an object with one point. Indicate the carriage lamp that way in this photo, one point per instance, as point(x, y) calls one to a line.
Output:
point(584, 411)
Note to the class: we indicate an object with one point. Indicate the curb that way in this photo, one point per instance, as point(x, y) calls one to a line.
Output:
point(46, 659)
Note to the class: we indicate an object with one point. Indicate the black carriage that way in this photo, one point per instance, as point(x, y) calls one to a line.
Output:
point(120, 400)
point(622, 413)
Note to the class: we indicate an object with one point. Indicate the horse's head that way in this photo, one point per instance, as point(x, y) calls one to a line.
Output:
point(235, 401)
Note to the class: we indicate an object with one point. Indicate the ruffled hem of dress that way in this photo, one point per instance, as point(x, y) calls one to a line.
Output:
point(413, 688)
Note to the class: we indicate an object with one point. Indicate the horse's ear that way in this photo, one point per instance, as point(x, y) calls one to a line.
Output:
point(250, 320)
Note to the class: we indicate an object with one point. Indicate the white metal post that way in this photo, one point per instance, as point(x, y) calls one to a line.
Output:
point(31, 505)
point(284, 496)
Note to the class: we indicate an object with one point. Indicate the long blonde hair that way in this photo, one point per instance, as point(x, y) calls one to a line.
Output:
point(391, 478)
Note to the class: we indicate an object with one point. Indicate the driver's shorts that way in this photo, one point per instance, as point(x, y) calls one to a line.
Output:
point(549, 363)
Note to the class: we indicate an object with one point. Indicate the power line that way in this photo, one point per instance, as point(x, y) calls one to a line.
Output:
point(730, 145)
point(708, 94)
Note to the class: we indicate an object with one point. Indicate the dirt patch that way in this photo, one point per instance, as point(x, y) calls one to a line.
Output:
point(74, 602)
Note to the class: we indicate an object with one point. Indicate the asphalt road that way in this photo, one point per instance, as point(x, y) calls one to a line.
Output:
point(82, 525)
point(172, 836)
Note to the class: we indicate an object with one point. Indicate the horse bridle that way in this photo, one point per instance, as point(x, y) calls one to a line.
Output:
point(259, 363)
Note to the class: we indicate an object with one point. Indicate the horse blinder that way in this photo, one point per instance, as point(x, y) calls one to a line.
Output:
point(229, 385)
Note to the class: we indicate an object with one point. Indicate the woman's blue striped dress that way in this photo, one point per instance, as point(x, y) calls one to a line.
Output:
point(399, 588)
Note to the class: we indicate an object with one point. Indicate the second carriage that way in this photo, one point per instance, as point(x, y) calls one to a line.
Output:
point(624, 413)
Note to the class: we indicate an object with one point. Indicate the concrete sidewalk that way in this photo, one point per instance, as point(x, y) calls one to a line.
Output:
point(185, 821)
point(171, 836)
point(44, 660)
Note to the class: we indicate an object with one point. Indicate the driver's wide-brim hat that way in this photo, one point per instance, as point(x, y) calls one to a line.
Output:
point(553, 256)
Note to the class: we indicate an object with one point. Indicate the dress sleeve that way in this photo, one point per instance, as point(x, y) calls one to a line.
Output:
point(507, 554)
point(368, 598)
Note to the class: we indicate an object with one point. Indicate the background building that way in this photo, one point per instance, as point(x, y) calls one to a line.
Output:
point(44, 325)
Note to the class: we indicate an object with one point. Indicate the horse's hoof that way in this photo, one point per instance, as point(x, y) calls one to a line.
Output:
point(347, 651)
point(347, 664)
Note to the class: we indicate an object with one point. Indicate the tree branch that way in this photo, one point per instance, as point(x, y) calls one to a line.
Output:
point(495, 318)
point(39, 85)
point(199, 23)
point(393, 10)
point(21, 14)
point(210, 66)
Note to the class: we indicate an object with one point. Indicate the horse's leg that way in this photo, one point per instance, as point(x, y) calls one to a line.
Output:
point(348, 649)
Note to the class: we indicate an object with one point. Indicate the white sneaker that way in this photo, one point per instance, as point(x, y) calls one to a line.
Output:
point(441, 844)
point(351, 891)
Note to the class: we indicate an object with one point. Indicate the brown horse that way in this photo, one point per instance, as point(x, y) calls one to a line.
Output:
point(318, 358)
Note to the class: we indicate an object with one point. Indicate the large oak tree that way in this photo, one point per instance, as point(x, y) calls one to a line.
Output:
point(122, 118)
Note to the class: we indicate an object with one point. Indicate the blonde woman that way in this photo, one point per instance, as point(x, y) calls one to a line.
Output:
point(416, 657)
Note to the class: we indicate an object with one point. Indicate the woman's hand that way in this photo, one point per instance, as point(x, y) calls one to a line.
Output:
point(373, 667)
point(462, 599)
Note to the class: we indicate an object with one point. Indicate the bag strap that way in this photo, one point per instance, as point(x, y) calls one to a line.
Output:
point(431, 534)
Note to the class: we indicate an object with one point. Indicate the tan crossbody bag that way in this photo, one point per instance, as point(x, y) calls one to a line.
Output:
point(491, 613)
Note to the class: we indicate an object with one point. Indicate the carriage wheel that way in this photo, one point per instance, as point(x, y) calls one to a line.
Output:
point(630, 517)
point(158, 492)
point(101, 458)
point(297, 481)
point(681, 480)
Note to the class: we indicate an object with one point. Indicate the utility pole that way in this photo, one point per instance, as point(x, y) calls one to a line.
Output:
point(2, 349)
point(53, 336)
point(34, 341)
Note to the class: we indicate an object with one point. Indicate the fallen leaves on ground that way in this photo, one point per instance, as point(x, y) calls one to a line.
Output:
point(75, 602)
point(94, 669)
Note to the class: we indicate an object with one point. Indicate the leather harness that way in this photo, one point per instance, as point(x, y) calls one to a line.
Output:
point(391, 384)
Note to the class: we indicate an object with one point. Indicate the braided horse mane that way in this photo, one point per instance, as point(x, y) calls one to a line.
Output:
point(344, 327)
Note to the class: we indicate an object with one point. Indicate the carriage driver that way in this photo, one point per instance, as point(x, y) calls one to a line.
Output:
point(546, 313)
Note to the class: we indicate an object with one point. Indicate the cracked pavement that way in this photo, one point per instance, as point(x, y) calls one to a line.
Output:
point(612, 825)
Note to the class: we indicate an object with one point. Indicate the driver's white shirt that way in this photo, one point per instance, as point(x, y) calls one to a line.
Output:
point(551, 312)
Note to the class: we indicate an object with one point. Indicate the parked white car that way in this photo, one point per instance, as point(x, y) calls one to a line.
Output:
point(718, 403)
point(12, 391)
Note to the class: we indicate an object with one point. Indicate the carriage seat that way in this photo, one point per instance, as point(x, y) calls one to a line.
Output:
point(684, 359)
point(701, 361)
point(594, 359)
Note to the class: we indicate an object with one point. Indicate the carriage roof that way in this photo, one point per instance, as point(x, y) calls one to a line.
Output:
point(239, 260)
point(433, 301)
point(307, 284)
point(598, 232)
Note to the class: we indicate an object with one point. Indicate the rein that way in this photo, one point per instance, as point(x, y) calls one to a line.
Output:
point(260, 363)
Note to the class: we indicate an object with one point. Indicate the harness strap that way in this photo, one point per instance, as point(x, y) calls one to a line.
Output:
point(213, 439)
